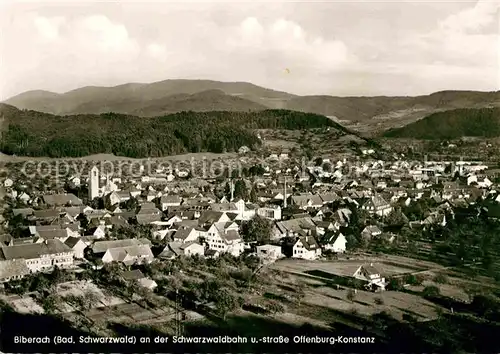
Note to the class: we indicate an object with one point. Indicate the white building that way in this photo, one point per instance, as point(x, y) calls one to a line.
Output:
point(371, 275)
point(269, 252)
point(41, 256)
point(94, 183)
point(273, 213)
point(336, 244)
point(306, 248)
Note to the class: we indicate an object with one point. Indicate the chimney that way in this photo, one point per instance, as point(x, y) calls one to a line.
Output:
point(371, 264)
point(232, 190)
point(307, 238)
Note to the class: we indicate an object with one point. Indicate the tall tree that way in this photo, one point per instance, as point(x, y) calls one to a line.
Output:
point(257, 229)
point(240, 190)
point(253, 194)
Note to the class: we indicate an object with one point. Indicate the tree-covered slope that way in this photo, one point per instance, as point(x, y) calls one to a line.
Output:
point(483, 122)
point(32, 133)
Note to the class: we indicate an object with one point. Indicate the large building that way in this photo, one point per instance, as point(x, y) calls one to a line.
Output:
point(39, 256)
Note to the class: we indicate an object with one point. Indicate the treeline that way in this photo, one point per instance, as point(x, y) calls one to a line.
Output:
point(482, 122)
point(32, 133)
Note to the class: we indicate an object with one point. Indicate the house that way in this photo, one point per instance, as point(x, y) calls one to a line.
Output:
point(186, 235)
point(305, 201)
point(77, 245)
point(377, 205)
point(40, 256)
point(187, 249)
point(371, 275)
point(137, 254)
point(370, 232)
point(224, 237)
point(97, 231)
point(57, 233)
point(101, 247)
point(270, 212)
point(336, 242)
point(328, 198)
point(13, 269)
point(61, 199)
point(117, 197)
point(137, 276)
point(269, 252)
point(306, 247)
point(167, 201)
point(294, 227)
point(24, 212)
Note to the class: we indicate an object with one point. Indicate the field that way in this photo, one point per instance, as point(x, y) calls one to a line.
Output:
point(320, 293)
point(23, 304)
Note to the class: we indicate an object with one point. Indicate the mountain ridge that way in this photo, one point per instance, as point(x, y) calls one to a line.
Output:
point(162, 97)
point(452, 124)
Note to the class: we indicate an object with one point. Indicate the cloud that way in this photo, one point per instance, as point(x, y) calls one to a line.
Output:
point(157, 51)
point(48, 28)
point(460, 40)
point(99, 33)
point(288, 42)
point(472, 19)
point(63, 47)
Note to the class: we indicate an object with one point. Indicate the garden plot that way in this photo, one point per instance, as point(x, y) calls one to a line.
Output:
point(80, 288)
point(26, 304)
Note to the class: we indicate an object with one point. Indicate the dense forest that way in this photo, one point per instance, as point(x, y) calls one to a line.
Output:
point(483, 122)
point(32, 133)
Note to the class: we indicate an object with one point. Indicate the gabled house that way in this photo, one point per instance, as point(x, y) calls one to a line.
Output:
point(377, 205)
point(370, 232)
point(306, 248)
point(185, 235)
point(372, 276)
point(168, 201)
point(137, 276)
point(305, 201)
point(137, 254)
point(294, 227)
point(335, 242)
point(77, 245)
point(177, 249)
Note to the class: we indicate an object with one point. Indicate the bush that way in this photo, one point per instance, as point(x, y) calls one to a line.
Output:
point(351, 295)
point(431, 291)
point(409, 318)
point(395, 284)
point(412, 279)
point(441, 279)
point(275, 307)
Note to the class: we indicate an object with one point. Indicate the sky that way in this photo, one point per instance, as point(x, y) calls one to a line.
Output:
point(351, 48)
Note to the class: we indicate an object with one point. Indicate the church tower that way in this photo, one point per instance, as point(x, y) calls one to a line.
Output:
point(93, 183)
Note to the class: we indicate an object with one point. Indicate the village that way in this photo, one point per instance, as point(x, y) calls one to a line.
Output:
point(362, 227)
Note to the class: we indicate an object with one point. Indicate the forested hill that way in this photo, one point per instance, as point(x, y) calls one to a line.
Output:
point(483, 122)
point(32, 133)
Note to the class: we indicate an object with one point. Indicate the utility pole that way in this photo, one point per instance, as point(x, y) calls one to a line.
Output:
point(178, 314)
